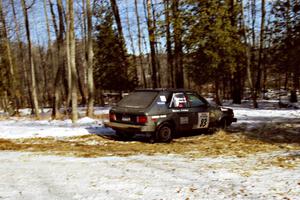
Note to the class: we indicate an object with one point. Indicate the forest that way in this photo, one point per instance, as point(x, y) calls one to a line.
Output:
point(64, 54)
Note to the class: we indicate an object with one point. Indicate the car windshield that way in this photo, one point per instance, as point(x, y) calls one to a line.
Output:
point(139, 99)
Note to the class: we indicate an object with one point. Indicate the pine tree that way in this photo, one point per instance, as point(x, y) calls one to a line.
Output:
point(108, 72)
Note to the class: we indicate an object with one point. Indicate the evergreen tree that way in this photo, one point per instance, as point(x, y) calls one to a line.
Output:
point(108, 71)
point(213, 41)
point(286, 49)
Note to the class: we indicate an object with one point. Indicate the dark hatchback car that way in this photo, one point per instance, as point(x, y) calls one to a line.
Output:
point(162, 112)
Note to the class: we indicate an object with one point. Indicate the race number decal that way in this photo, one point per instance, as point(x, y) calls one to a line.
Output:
point(203, 120)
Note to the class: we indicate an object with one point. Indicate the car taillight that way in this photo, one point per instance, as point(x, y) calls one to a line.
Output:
point(112, 117)
point(141, 119)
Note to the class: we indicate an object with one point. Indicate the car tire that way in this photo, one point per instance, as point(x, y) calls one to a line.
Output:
point(225, 122)
point(164, 133)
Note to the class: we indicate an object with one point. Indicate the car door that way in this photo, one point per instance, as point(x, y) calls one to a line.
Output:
point(199, 114)
point(180, 111)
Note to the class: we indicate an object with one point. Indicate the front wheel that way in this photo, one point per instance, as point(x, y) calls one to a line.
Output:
point(164, 133)
point(225, 122)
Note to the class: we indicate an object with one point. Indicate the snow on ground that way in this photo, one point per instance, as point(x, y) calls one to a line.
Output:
point(33, 176)
point(247, 117)
point(24, 128)
point(30, 176)
point(267, 114)
point(81, 111)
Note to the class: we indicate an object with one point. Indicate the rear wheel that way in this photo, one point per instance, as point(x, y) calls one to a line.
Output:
point(164, 133)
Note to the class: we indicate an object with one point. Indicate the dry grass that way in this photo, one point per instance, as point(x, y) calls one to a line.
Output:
point(288, 161)
point(220, 143)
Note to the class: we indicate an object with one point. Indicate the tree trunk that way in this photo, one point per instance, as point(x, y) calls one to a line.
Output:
point(20, 45)
point(31, 63)
point(69, 70)
point(12, 78)
point(135, 62)
point(49, 47)
point(151, 33)
point(295, 69)
point(115, 10)
point(158, 67)
point(90, 109)
point(53, 18)
point(116, 13)
point(169, 45)
point(71, 59)
point(236, 81)
point(84, 36)
point(261, 48)
point(237, 88)
point(217, 92)
point(178, 54)
point(144, 82)
point(248, 59)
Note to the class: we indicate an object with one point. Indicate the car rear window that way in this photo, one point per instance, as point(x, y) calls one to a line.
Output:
point(138, 99)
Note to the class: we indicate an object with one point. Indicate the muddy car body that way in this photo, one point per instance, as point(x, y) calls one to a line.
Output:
point(162, 112)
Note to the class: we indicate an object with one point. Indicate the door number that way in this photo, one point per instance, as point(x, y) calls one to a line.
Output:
point(203, 120)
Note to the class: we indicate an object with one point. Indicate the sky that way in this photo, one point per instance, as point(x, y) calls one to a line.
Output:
point(39, 30)
point(38, 26)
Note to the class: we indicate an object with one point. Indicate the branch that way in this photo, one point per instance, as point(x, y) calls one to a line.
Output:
point(32, 3)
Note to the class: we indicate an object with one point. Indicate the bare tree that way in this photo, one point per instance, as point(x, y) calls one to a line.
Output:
point(121, 39)
point(12, 75)
point(53, 18)
point(261, 47)
point(140, 44)
point(115, 10)
point(22, 56)
point(90, 108)
point(248, 58)
point(84, 36)
point(71, 59)
point(30, 58)
point(60, 57)
point(178, 54)
point(135, 64)
point(151, 34)
point(169, 43)
point(50, 53)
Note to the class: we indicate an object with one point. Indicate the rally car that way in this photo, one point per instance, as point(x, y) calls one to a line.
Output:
point(162, 112)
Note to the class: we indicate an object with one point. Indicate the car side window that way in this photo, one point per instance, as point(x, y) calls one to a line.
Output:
point(179, 101)
point(195, 101)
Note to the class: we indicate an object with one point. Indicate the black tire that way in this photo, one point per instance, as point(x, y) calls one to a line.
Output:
point(125, 135)
point(225, 122)
point(164, 133)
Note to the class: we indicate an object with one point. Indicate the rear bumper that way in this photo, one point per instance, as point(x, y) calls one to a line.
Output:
point(129, 127)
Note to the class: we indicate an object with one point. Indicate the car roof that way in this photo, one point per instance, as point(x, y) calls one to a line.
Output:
point(162, 90)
